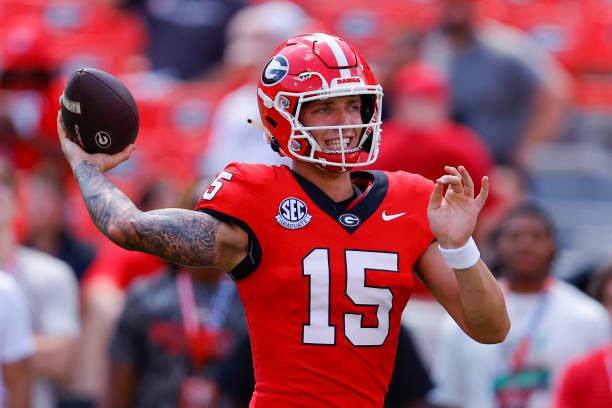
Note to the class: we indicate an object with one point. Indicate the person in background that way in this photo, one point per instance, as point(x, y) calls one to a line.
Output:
point(600, 285)
point(51, 292)
point(586, 382)
point(496, 93)
point(198, 26)
point(552, 322)
point(252, 31)
point(47, 228)
point(16, 345)
point(27, 99)
point(174, 331)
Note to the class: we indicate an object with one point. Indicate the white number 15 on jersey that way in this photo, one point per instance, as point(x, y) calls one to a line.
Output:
point(316, 266)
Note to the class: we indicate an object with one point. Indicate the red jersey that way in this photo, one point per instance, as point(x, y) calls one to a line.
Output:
point(587, 381)
point(324, 285)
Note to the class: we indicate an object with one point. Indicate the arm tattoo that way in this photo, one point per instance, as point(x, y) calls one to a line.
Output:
point(183, 236)
point(103, 200)
point(180, 236)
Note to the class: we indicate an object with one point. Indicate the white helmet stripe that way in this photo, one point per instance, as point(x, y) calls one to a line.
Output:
point(338, 53)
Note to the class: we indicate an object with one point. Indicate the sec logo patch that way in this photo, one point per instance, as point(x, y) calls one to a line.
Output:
point(293, 213)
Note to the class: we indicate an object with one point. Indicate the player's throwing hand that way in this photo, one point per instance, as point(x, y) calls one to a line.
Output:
point(75, 155)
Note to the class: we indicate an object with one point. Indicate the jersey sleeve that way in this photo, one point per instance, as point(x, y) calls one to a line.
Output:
point(229, 194)
point(231, 198)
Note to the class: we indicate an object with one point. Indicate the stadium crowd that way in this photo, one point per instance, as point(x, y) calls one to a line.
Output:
point(520, 91)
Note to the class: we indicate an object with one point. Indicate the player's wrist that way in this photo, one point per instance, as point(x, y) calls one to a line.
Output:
point(453, 244)
point(463, 257)
point(87, 165)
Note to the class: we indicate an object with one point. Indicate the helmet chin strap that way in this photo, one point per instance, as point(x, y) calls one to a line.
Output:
point(332, 168)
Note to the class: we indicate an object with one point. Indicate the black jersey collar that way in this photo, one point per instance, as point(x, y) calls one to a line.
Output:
point(349, 219)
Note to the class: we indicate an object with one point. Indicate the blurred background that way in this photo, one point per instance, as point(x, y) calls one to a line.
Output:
point(518, 90)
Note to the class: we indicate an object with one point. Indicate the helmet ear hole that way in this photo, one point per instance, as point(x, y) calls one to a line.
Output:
point(275, 145)
point(368, 103)
point(271, 121)
point(367, 145)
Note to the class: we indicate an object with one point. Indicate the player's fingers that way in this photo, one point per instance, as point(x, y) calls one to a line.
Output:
point(449, 179)
point(484, 192)
point(468, 183)
point(61, 132)
point(435, 199)
point(65, 142)
point(124, 154)
point(107, 162)
point(129, 150)
point(451, 170)
point(454, 182)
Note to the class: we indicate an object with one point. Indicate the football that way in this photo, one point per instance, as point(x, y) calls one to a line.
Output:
point(99, 112)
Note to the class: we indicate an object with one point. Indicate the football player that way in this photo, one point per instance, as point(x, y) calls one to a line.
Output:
point(323, 257)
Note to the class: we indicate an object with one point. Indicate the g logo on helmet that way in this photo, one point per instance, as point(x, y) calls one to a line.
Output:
point(103, 140)
point(276, 69)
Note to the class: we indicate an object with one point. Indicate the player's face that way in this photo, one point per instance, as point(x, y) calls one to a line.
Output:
point(342, 110)
point(526, 247)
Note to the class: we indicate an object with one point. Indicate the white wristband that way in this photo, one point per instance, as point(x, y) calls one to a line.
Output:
point(461, 258)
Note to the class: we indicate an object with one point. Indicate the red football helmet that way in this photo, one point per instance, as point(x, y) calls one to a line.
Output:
point(313, 67)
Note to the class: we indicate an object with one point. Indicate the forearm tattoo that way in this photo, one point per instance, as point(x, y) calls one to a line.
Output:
point(180, 236)
point(184, 236)
point(103, 200)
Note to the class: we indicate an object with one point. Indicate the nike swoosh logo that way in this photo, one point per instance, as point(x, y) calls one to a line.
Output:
point(389, 217)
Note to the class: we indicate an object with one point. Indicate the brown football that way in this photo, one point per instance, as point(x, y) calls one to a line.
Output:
point(99, 112)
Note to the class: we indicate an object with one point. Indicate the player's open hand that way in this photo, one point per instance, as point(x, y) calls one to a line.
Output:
point(453, 214)
point(75, 154)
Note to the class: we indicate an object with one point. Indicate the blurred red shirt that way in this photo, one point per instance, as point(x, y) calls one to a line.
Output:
point(587, 382)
